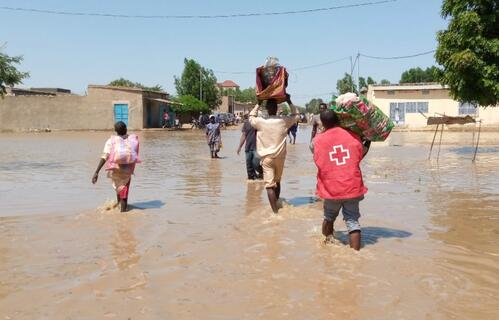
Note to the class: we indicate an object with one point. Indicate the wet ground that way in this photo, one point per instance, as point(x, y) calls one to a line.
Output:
point(201, 243)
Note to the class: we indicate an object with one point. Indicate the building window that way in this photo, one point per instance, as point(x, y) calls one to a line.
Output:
point(413, 107)
point(423, 107)
point(390, 91)
point(467, 108)
point(425, 91)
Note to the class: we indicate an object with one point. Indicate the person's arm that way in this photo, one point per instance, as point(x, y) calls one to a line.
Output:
point(99, 166)
point(241, 142)
point(314, 128)
point(366, 144)
point(253, 116)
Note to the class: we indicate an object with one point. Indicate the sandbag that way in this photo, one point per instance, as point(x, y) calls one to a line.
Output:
point(362, 117)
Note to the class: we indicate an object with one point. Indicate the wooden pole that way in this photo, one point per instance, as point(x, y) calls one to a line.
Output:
point(431, 148)
point(477, 140)
point(440, 141)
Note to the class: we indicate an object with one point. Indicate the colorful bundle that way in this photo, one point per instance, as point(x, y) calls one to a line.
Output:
point(123, 151)
point(362, 117)
point(271, 81)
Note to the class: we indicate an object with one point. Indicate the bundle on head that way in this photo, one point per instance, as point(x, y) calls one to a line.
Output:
point(271, 81)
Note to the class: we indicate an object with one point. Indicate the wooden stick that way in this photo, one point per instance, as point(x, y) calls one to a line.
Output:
point(431, 148)
point(440, 142)
point(477, 140)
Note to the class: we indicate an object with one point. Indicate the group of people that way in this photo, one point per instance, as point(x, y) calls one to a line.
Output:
point(337, 153)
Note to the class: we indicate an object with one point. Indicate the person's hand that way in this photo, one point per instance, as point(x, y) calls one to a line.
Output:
point(238, 151)
point(95, 177)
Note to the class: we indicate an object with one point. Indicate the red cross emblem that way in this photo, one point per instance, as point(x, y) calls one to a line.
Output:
point(339, 155)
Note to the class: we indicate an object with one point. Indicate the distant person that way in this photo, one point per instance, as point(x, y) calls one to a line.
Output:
point(271, 137)
point(248, 137)
point(317, 126)
point(292, 133)
point(166, 119)
point(337, 155)
point(121, 153)
point(194, 123)
point(213, 137)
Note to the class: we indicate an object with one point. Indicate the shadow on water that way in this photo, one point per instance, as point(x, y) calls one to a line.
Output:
point(471, 150)
point(301, 201)
point(153, 204)
point(371, 235)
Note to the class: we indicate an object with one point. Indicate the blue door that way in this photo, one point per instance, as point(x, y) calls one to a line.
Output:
point(121, 113)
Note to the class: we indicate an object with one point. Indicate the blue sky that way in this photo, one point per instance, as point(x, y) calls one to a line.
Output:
point(73, 51)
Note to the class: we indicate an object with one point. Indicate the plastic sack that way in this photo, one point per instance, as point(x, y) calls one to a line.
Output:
point(124, 151)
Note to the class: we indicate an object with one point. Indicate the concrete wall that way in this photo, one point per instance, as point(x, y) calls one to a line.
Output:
point(439, 102)
point(94, 111)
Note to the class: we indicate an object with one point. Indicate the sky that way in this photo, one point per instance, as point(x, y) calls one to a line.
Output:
point(73, 51)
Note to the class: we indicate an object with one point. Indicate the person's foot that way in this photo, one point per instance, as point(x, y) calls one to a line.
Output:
point(329, 239)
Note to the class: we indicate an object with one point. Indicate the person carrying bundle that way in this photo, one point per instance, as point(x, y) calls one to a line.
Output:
point(121, 153)
point(337, 155)
point(271, 139)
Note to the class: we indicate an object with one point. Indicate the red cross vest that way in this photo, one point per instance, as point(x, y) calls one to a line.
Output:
point(337, 155)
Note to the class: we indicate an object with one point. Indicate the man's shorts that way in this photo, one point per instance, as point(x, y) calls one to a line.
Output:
point(272, 170)
point(351, 213)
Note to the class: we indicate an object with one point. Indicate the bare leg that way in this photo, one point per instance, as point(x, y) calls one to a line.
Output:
point(327, 228)
point(123, 205)
point(271, 193)
point(278, 190)
point(117, 200)
point(354, 238)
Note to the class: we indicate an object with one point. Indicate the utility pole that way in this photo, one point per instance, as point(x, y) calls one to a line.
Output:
point(351, 71)
point(200, 85)
point(358, 72)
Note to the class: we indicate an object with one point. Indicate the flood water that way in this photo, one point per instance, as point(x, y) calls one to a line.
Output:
point(202, 243)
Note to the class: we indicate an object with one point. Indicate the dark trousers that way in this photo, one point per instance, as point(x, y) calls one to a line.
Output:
point(253, 166)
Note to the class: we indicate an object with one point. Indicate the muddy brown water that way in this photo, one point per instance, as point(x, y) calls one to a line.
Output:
point(201, 243)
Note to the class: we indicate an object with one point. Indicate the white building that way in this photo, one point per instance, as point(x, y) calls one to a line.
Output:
point(408, 104)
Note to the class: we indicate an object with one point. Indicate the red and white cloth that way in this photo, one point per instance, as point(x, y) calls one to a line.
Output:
point(337, 155)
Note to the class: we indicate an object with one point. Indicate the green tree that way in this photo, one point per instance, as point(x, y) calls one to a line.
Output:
point(313, 105)
point(285, 109)
point(370, 81)
point(122, 82)
point(246, 95)
point(345, 85)
point(469, 50)
point(9, 75)
point(189, 105)
point(418, 75)
point(362, 82)
point(385, 82)
point(198, 81)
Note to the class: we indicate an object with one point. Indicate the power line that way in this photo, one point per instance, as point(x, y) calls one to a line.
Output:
point(217, 16)
point(291, 70)
point(399, 57)
point(319, 64)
